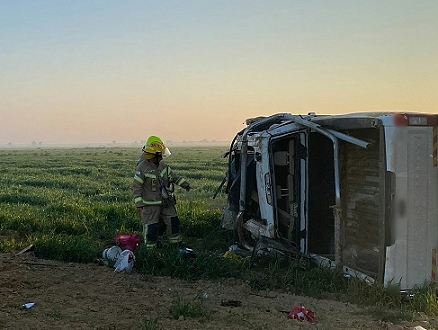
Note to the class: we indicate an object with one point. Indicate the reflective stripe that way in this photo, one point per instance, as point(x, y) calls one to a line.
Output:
point(150, 175)
point(145, 233)
point(163, 172)
point(175, 239)
point(169, 170)
point(180, 181)
point(138, 179)
point(151, 246)
point(152, 202)
point(137, 199)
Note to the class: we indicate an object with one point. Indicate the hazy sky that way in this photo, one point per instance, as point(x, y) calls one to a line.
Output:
point(94, 71)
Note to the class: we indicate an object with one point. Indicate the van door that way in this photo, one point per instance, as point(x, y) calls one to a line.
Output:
point(289, 156)
point(321, 196)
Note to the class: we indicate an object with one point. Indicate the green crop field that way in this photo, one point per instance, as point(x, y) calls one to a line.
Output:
point(70, 203)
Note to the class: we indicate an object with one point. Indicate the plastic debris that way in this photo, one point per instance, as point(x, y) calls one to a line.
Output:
point(111, 253)
point(187, 253)
point(232, 255)
point(125, 261)
point(28, 305)
point(127, 241)
point(27, 249)
point(301, 313)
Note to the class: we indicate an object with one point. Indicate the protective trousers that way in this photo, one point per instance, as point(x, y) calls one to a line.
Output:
point(150, 218)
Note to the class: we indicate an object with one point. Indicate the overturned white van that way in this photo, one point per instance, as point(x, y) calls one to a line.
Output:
point(357, 191)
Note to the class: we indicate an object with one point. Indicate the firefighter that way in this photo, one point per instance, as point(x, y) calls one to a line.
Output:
point(153, 190)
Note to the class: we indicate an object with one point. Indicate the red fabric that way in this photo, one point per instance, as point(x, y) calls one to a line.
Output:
point(301, 313)
point(127, 241)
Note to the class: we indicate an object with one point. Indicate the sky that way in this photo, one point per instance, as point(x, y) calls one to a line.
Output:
point(97, 71)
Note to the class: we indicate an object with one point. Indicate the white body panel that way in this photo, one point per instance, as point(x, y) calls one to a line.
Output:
point(410, 157)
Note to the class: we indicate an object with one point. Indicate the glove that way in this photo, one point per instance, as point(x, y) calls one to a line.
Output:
point(188, 188)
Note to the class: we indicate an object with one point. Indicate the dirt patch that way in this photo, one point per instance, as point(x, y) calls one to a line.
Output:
point(89, 296)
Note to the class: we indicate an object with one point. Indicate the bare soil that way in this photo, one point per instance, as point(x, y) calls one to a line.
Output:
point(92, 296)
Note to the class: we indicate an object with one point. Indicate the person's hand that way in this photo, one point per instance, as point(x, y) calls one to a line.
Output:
point(188, 188)
point(139, 209)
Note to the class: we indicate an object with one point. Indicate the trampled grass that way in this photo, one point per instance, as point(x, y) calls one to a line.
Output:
point(70, 204)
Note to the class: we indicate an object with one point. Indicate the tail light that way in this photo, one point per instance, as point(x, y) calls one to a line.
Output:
point(409, 119)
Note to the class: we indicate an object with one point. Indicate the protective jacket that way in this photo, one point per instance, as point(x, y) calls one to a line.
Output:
point(149, 179)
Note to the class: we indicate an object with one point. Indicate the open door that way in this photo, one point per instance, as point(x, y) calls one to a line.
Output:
point(321, 196)
point(289, 159)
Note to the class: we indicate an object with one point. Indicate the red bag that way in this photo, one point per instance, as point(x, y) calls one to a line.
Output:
point(127, 241)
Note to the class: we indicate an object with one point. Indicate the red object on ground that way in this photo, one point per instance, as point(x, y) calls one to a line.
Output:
point(301, 313)
point(127, 241)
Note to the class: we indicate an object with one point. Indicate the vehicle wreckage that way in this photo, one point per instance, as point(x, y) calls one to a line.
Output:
point(356, 191)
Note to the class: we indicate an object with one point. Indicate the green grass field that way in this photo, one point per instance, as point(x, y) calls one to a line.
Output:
point(59, 198)
point(70, 204)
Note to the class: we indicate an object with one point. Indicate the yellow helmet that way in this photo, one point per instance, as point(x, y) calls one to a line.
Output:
point(155, 145)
